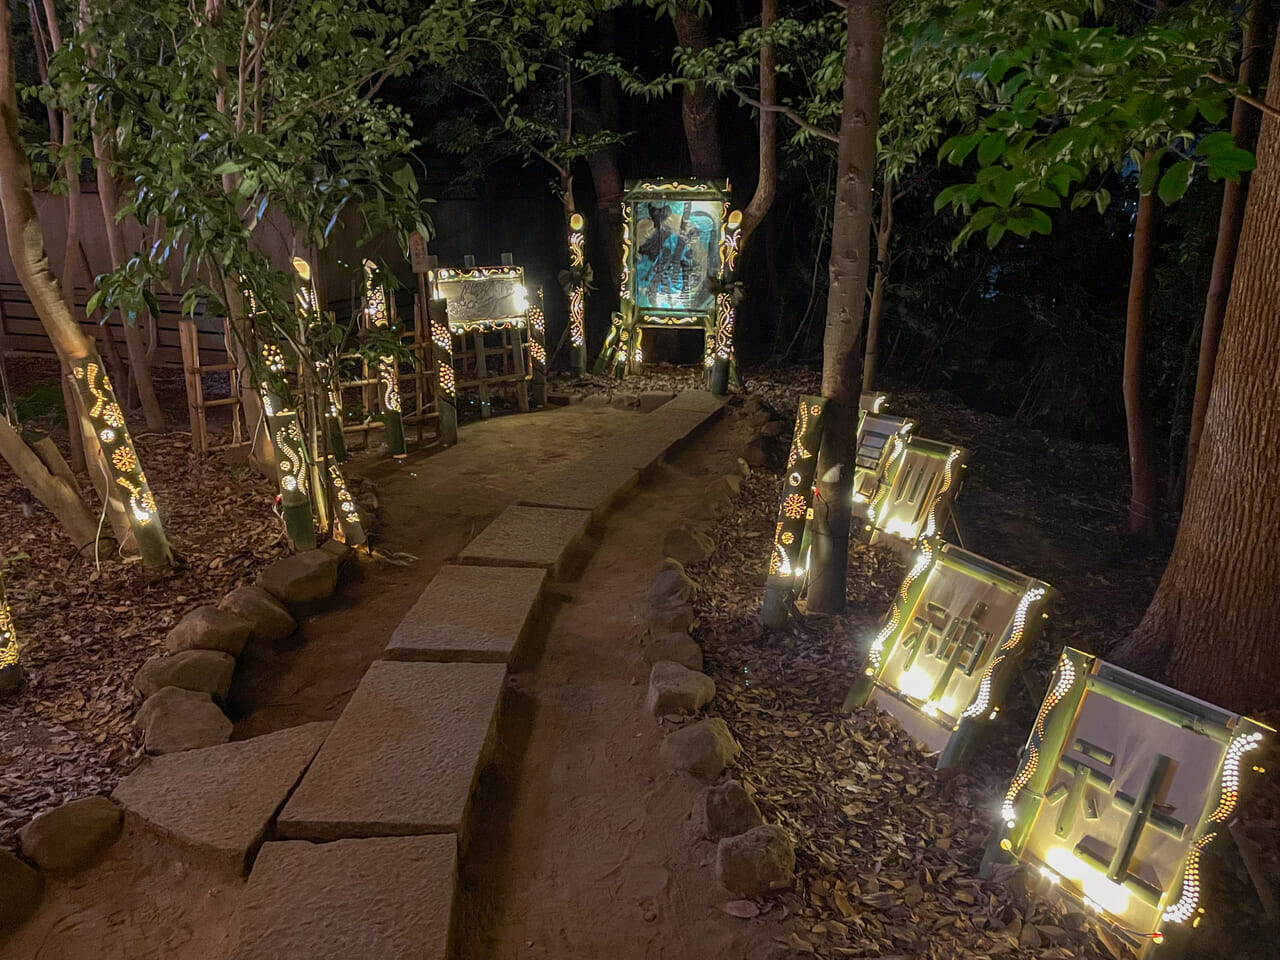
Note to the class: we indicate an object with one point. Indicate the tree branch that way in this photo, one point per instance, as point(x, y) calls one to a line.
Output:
point(1252, 101)
point(789, 113)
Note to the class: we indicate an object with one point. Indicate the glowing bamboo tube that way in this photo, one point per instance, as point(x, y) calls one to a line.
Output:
point(10, 662)
point(125, 471)
point(348, 525)
point(375, 306)
point(577, 295)
point(309, 314)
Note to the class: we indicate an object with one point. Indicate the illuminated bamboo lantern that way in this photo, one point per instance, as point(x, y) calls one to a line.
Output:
point(99, 402)
point(577, 294)
point(348, 527)
point(442, 354)
point(795, 507)
point(613, 356)
point(309, 315)
point(292, 472)
point(375, 306)
point(10, 662)
point(720, 347)
point(1122, 785)
point(538, 351)
point(952, 644)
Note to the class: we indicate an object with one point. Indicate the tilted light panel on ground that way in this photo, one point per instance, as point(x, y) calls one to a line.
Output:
point(881, 437)
point(951, 646)
point(1122, 785)
point(922, 480)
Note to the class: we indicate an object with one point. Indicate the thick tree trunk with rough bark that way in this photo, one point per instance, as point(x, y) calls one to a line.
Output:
point(700, 107)
point(1244, 127)
point(1213, 627)
point(850, 253)
point(1142, 474)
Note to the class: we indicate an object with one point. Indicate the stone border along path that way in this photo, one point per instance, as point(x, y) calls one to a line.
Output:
point(391, 784)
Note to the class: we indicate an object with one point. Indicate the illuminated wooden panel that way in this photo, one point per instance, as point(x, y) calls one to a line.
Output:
point(950, 647)
point(483, 298)
point(1122, 785)
point(872, 402)
point(795, 505)
point(922, 479)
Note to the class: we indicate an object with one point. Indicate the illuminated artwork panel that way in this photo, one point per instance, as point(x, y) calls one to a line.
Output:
point(880, 439)
point(676, 249)
point(953, 646)
point(1122, 785)
point(483, 297)
point(923, 477)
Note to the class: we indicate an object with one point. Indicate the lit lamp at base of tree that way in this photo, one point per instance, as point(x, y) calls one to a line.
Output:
point(538, 353)
point(446, 382)
point(348, 525)
point(10, 664)
point(579, 276)
point(787, 557)
point(292, 474)
point(99, 401)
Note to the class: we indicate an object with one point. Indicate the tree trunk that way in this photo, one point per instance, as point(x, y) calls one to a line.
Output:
point(850, 251)
point(1142, 474)
point(1211, 627)
point(26, 249)
point(767, 179)
point(1243, 130)
point(699, 109)
point(884, 234)
point(55, 492)
point(139, 361)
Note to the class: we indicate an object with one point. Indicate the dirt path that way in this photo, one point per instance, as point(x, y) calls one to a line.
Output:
point(583, 847)
point(151, 901)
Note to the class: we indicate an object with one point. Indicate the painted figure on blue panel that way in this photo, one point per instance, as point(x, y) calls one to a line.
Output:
point(674, 256)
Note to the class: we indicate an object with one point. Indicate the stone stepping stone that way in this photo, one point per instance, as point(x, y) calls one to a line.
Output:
point(388, 898)
point(221, 799)
point(638, 449)
point(700, 401)
point(594, 484)
point(528, 537)
point(470, 613)
point(403, 757)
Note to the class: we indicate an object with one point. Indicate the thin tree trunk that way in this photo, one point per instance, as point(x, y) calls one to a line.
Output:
point(1230, 217)
point(767, 179)
point(55, 492)
point(135, 341)
point(26, 249)
point(700, 109)
point(1211, 627)
point(884, 234)
point(850, 252)
point(1142, 474)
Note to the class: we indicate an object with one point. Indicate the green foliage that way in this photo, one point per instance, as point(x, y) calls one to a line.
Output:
point(1066, 95)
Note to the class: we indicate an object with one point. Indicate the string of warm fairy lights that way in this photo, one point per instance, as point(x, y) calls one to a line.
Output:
point(983, 698)
point(931, 527)
point(1031, 758)
point(923, 560)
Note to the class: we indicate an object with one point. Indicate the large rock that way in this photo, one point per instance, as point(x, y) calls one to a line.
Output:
point(206, 671)
point(220, 799)
point(703, 749)
point(303, 578)
point(756, 452)
point(687, 545)
point(725, 810)
point(20, 890)
point(269, 620)
point(674, 618)
point(388, 898)
point(68, 838)
point(670, 587)
point(774, 428)
point(209, 628)
point(403, 756)
point(674, 645)
point(173, 719)
point(674, 688)
point(760, 862)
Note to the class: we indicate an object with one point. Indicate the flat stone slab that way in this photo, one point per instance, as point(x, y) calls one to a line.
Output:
point(404, 755)
point(221, 799)
point(639, 448)
point(469, 613)
point(703, 401)
point(528, 537)
point(593, 483)
point(382, 899)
